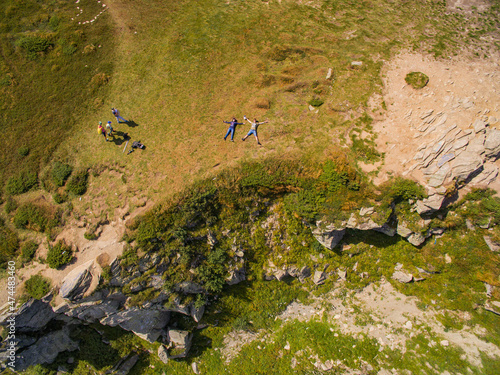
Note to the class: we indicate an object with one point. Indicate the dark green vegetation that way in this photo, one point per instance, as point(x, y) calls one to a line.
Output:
point(37, 286)
point(417, 80)
point(47, 65)
point(59, 255)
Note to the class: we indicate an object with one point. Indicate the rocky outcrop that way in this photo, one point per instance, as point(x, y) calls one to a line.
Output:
point(148, 324)
point(329, 235)
point(32, 316)
point(79, 281)
point(46, 349)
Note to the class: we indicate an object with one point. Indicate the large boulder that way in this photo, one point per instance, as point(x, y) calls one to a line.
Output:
point(466, 165)
point(79, 281)
point(430, 204)
point(148, 324)
point(46, 349)
point(329, 236)
point(94, 311)
point(492, 144)
point(236, 276)
point(32, 316)
point(179, 343)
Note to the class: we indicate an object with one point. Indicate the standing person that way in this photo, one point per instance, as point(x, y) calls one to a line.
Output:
point(101, 130)
point(232, 127)
point(253, 129)
point(109, 129)
point(116, 113)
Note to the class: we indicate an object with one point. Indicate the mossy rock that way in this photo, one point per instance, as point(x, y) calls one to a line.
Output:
point(417, 80)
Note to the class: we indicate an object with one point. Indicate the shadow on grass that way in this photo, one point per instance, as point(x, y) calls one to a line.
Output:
point(131, 123)
point(119, 137)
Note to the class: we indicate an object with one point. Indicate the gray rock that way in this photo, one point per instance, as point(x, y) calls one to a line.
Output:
point(181, 341)
point(236, 276)
point(163, 354)
point(46, 349)
point(479, 125)
point(127, 365)
point(402, 277)
point(462, 142)
point(494, 246)
point(94, 311)
point(32, 316)
point(280, 274)
point(445, 158)
point(356, 63)
point(211, 239)
point(403, 231)
point(438, 178)
point(366, 211)
point(492, 144)
point(429, 205)
point(305, 272)
point(416, 239)
point(189, 287)
point(319, 278)
point(469, 225)
point(465, 165)
point(194, 367)
point(78, 281)
point(330, 236)
point(156, 281)
point(196, 313)
point(487, 175)
point(145, 323)
point(342, 274)
point(476, 144)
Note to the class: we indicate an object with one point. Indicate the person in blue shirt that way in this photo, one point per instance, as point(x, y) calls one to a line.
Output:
point(116, 113)
point(232, 127)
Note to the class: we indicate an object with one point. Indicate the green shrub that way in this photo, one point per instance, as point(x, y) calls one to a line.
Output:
point(59, 198)
point(77, 183)
point(402, 189)
point(417, 80)
point(316, 102)
point(23, 151)
point(54, 23)
point(28, 250)
point(33, 45)
point(9, 244)
point(60, 173)
point(37, 286)
point(31, 217)
point(213, 272)
point(59, 255)
point(10, 205)
point(21, 183)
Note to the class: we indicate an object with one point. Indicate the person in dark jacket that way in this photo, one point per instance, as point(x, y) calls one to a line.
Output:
point(232, 127)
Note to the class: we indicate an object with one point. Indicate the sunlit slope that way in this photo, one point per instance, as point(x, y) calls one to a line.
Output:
point(182, 68)
point(51, 73)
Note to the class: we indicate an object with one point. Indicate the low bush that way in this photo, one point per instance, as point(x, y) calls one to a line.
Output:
point(316, 102)
point(402, 189)
point(23, 151)
point(21, 183)
point(37, 286)
point(10, 205)
point(59, 255)
point(77, 183)
point(417, 80)
point(33, 45)
point(33, 217)
point(28, 250)
point(9, 244)
point(60, 198)
point(60, 173)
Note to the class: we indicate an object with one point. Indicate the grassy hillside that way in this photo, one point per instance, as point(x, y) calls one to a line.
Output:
point(177, 70)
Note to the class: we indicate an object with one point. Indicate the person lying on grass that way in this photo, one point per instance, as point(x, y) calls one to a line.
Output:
point(232, 127)
point(253, 129)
